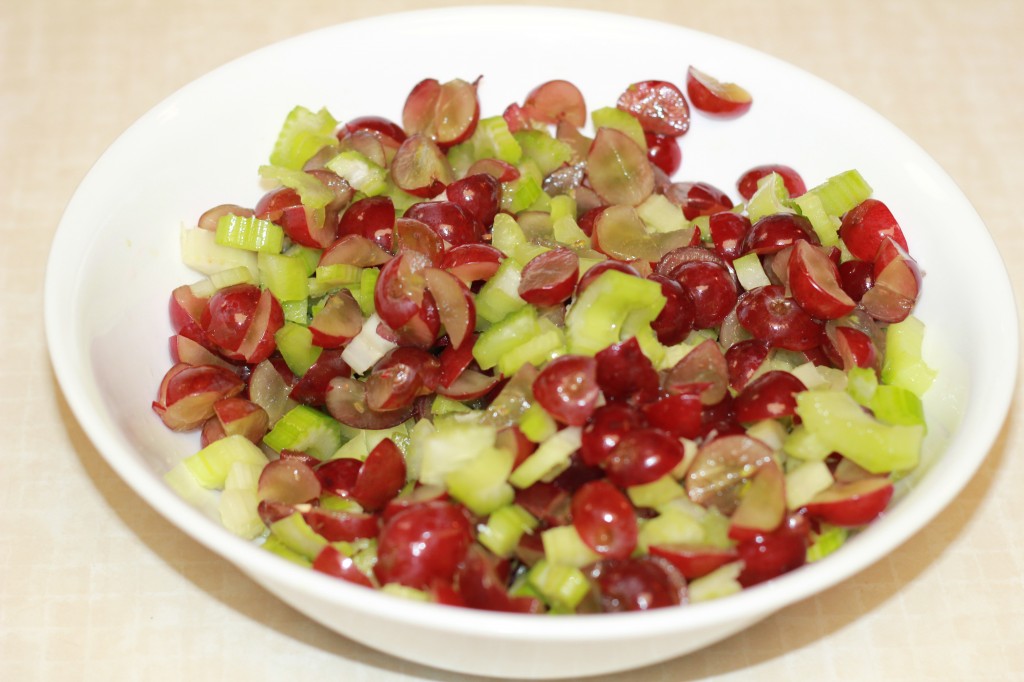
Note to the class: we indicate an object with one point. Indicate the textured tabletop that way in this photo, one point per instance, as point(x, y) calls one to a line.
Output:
point(94, 585)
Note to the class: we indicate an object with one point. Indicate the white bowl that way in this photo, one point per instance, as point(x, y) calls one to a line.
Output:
point(115, 259)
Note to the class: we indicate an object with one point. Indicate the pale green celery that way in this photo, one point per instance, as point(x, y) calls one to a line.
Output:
point(210, 466)
point(563, 546)
point(302, 135)
point(249, 234)
point(353, 448)
point(904, 365)
point(296, 535)
point(829, 540)
point(836, 419)
point(670, 527)
point(244, 475)
point(507, 334)
point(527, 252)
point(661, 215)
point(481, 483)
point(296, 312)
point(443, 405)
point(656, 493)
point(550, 457)
point(312, 193)
point(563, 206)
point(341, 504)
point(771, 432)
point(461, 158)
point(285, 276)
point(404, 592)
point(750, 272)
point(295, 343)
point(449, 447)
point(504, 528)
point(367, 347)
point(548, 152)
point(842, 192)
point(548, 344)
point(861, 384)
point(805, 481)
point(897, 405)
point(367, 283)
point(805, 445)
point(562, 587)
point(309, 256)
point(306, 429)
point(275, 545)
point(567, 231)
point(702, 223)
point(239, 513)
point(521, 194)
point(208, 286)
point(418, 436)
point(361, 173)
point(824, 225)
point(809, 374)
point(673, 354)
point(721, 582)
point(184, 483)
point(499, 297)
point(623, 121)
point(201, 252)
point(536, 424)
point(770, 198)
point(614, 307)
point(493, 139)
point(330, 278)
point(716, 529)
point(506, 234)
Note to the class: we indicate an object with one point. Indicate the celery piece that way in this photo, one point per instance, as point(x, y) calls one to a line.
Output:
point(861, 383)
point(829, 540)
point(481, 483)
point(550, 457)
point(249, 234)
point(548, 344)
point(562, 206)
point(461, 158)
point(750, 272)
point(770, 198)
point(181, 480)
point(367, 283)
point(721, 582)
point(613, 117)
point(536, 424)
point(520, 194)
point(275, 545)
point(232, 276)
point(309, 256)
point(842, 192)
point(296, 312)
point(239, 513)
point(493, 139)
point(504, 528)
point(563, 546)
point(201, 252)
point(567, 231)
point(401, 199)
point(330, 278)
point(656, 493)
point(210, 466)
point(295, 343)
point(614, 307)
point(244, 475)
point(405, 592)
point(506, 335)
point(285, 276)
point(499, 296)
point(360, 172)
point(312, 193)
point(897, 405)
point(449, 447)
point(305, 429)
point(804, 445)
point(367, 347)
point(563, 587)
point(661, 215)
point(771, 432)
point(824, 225)
point(809, 374)
point(836, 419)
point(805, 481)
point(296, 535)
point(546, 151)
point(671, 527)
point(904, 365)
point(442, 405)
point(302, 135)
point(506, 234)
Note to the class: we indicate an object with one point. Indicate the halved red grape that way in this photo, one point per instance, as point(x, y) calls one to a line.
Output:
point(567, 388)
point(770, 315)
point(747, 184)
point(712, 288)
point(332, 562)
point(445, 112)
point(660, 107)
point(550, 277)
point(770, 396)
point(814, 282)
point(422, 545)
point(635, 584)
point(554, 101)
point(370, 217)
point(702, 372)
point(448, 220)
point(675, 321)
point(663, 151)
point(605, 519)
point(774, 232)
point(618, 168)
point(606, 427)
point(698, 198)
point(381, 477)
point(479, 195)
point(769, 555)
point(865, 227)
point(643, 456)
point(624, 373)
point(722, 467)
point(709, 95)
point(420, 167)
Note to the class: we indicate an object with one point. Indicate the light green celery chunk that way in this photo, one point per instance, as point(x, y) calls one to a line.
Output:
point(461, 158)
point(443, 405)
point(201, 252)
point(567, 231)
point(210, 466)
point(404, 592)
point(231, 277)
point(613, 117)
point(809, 375)
point(861, 384)
point(239, 513)
point(836, 419)
point(504, 528)
point(563, 546)
point(244, 474)
point(308, 430)
point(671, 527)
point(493, 139)
point(750, 272)
point(302, 135)
point(805, 445)
point(771, 432)
point(295, 343)
point(661, 215)
point(499, 296)
point(330, 278)
point(550, 457)
point(361, 173)
point(614, 307)
point(829, 540)
point(536, 424)
point(656, 493)
point(548, 344)
point(770, 198)
point(312, 193)
point(285, 276)
point(296, 312)
point(563, 206)
point(296, 535)
point(307, 254)
point(716, 528)
point(449, 447)
point(563, 587)
point(521, 194)
point(249, 234)
point(481, 483)
point(181, 480)
point(721, 582)
point(824, 225)
point(842, 192)
point(275, 545)
point(904, 365)
point(546, 151)
point(805, 481)
point(503, 337)
point(897, 405)
point(506, 234)
point(367, 283)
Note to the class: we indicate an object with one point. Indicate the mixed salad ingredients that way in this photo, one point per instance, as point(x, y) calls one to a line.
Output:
point(509, 363)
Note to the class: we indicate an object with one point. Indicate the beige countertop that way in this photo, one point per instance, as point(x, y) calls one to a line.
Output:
point(94, 585)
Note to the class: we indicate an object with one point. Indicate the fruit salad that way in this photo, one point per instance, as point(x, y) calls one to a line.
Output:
point(510, 362)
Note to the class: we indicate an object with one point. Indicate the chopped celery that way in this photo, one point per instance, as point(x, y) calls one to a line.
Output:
point(501, 338)
point(504, 528)
point(442, 405)
point(771, 432)
point(249, 234)
point(842, 192)
point(520, 194)
point(750, 272)
point(275, 545)
point(551, 456)
point(367, 347)
point(307, 254)
point(493, 139)
point(564, 587)
point(861, 383)
point(546, 151)
point(614, 307)
point(771, 197)
point(312, 193)
point(238, 509)
point(302, 135)
point(536, 424)
point(450, 447)
point(897, 405)
point(410, 593)
point(308, 430)
point(825, 225)
point(547, 344)
point(184, 483)
point(285, 276)
point(671, 527)
point(481, 483)
point(563, 546)
point(621, 120)
point(295, 534)
point(562, 206)
point(499, 296)
point(719, 583)
point(656, 493)
point(661, 215)
point(201, 252)
point(296, 312)
point(805, 481)
point(506, 234)
point(210, 466)
point(363, 174)
point(566, 231)
point(827, 541)
point(904, 365)
point(295, 343)
point(803, 444)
